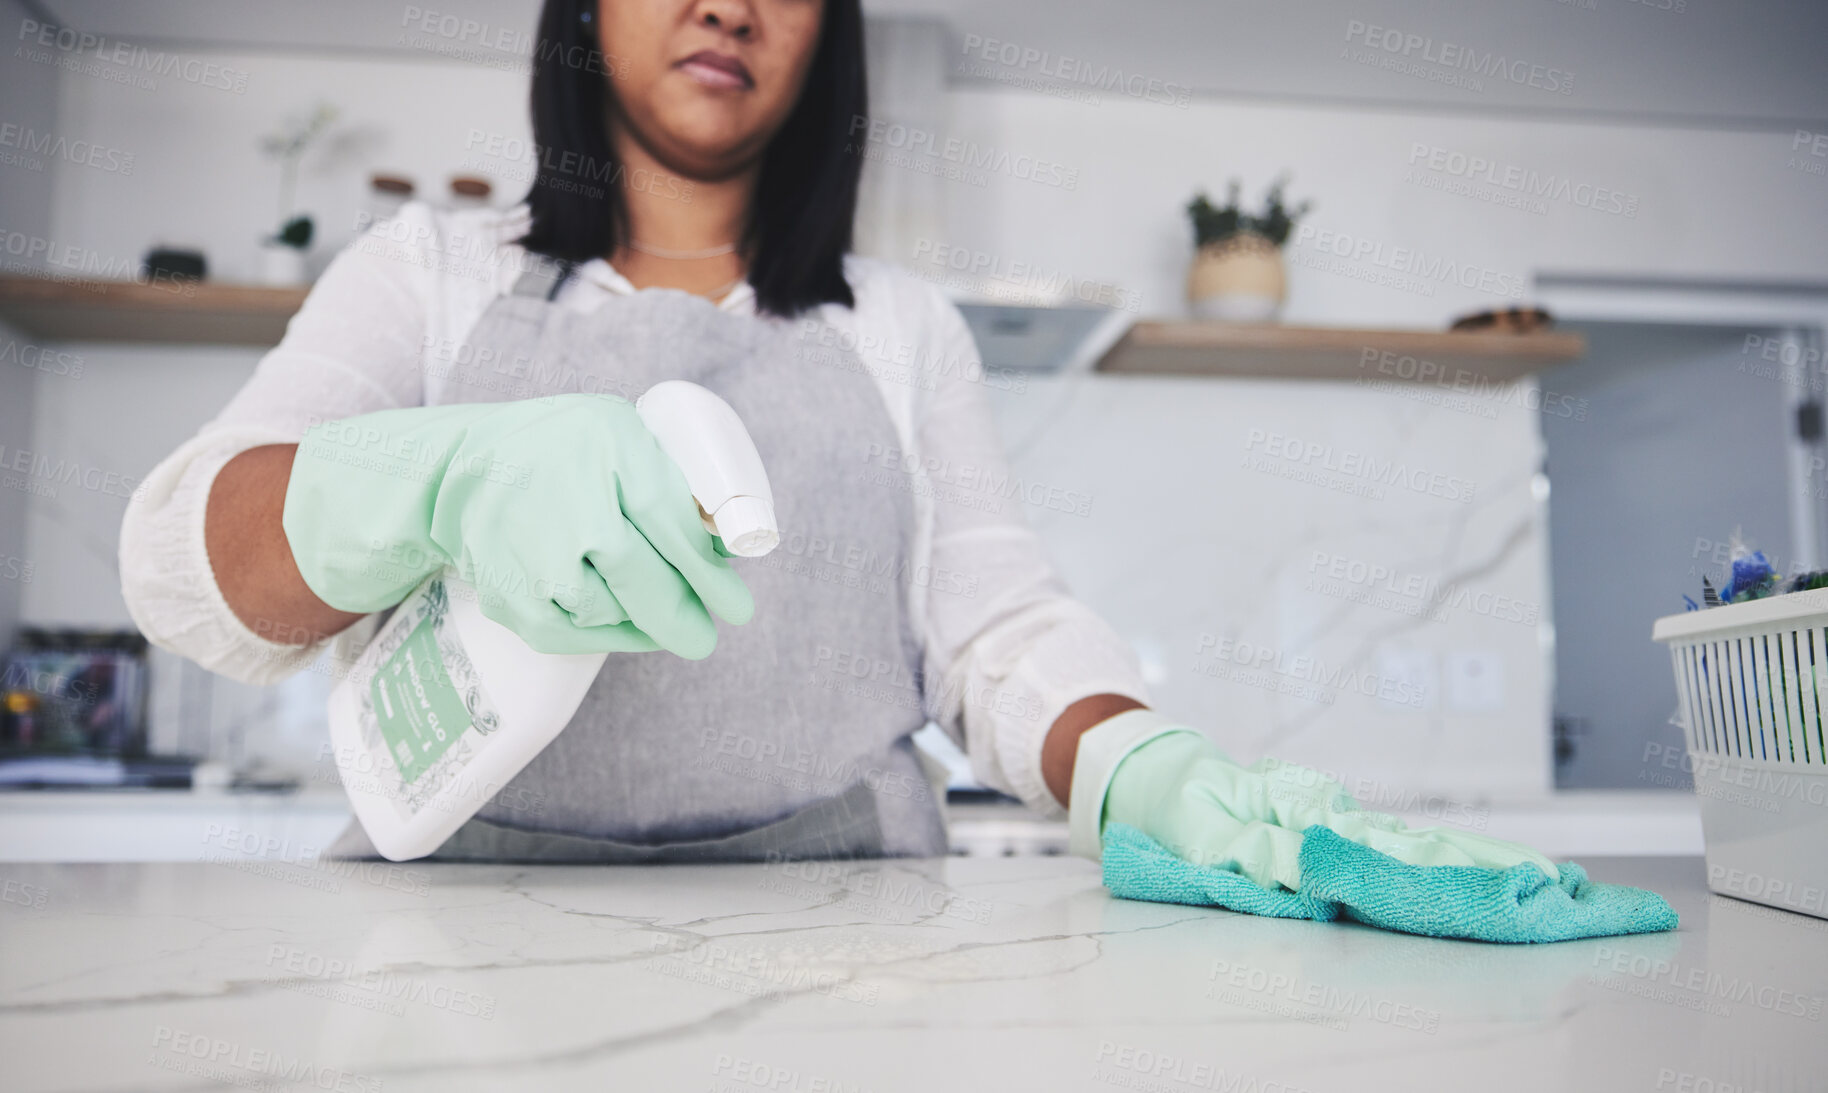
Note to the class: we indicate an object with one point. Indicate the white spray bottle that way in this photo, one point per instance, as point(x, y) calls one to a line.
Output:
point(445, 706)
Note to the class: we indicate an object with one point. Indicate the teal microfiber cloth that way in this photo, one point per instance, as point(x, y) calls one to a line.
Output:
point(1341, 879)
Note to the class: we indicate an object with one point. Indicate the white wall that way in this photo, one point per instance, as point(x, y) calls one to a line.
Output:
point(18, 384)
point(27, 93)
point(1711, 204)
point(199, 176)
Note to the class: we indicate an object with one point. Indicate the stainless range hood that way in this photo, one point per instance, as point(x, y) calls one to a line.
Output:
point(1043, 339)
point(900, 213)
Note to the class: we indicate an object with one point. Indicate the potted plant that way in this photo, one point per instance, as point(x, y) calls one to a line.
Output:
point(282, 255)
point(1237, 265)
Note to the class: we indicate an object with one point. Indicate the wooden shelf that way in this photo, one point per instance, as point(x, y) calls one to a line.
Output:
point(212, 313)
point(1332, 353)
point(187, 312)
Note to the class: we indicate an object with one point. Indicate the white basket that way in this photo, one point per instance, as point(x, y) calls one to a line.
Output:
point(1753, 679)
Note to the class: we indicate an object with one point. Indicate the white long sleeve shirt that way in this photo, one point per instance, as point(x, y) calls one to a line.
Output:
point(378, 331)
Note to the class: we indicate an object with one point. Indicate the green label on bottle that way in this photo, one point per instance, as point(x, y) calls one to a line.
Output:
point(419, 712)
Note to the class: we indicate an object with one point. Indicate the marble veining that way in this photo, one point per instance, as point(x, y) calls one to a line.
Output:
point(1003, 973)
point(1219, 510)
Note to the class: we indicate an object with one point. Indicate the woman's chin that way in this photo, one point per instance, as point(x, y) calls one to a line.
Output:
point(712, 151)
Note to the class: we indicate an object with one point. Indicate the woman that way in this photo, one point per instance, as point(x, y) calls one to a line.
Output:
point(440, 400)
point(691, 219)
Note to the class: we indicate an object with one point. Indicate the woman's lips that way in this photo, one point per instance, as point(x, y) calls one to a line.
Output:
point(717, 70)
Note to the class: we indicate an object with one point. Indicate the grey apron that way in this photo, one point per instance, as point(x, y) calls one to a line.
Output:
point(792, 738)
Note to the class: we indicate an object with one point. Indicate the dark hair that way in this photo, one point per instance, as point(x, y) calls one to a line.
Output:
point(800, 219)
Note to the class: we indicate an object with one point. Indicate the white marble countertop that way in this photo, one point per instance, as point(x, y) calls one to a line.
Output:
point(990, 973)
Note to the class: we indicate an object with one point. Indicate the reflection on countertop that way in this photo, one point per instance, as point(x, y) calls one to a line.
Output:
point(97, 826)
point(979, 972)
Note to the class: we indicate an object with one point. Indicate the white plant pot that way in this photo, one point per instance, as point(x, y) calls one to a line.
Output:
point(281, 265)
point(1239, 307)
point(1237, 280)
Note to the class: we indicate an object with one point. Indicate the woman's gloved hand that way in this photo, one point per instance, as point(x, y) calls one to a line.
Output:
point(575, 528)
point(1171, 783)
point(1177, 822)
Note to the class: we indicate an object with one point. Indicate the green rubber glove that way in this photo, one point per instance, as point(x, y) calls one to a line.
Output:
point(1171, 783)
point(575, 528)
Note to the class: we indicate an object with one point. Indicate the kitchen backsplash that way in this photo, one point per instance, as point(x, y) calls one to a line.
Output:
point(1347, 575)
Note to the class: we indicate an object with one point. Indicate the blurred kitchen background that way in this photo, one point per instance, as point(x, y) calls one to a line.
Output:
point(1466, 639)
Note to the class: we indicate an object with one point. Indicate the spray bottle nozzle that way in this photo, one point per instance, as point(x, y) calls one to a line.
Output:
point(702, 434)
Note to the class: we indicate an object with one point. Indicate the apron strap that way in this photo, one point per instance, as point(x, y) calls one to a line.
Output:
point(543, 277)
